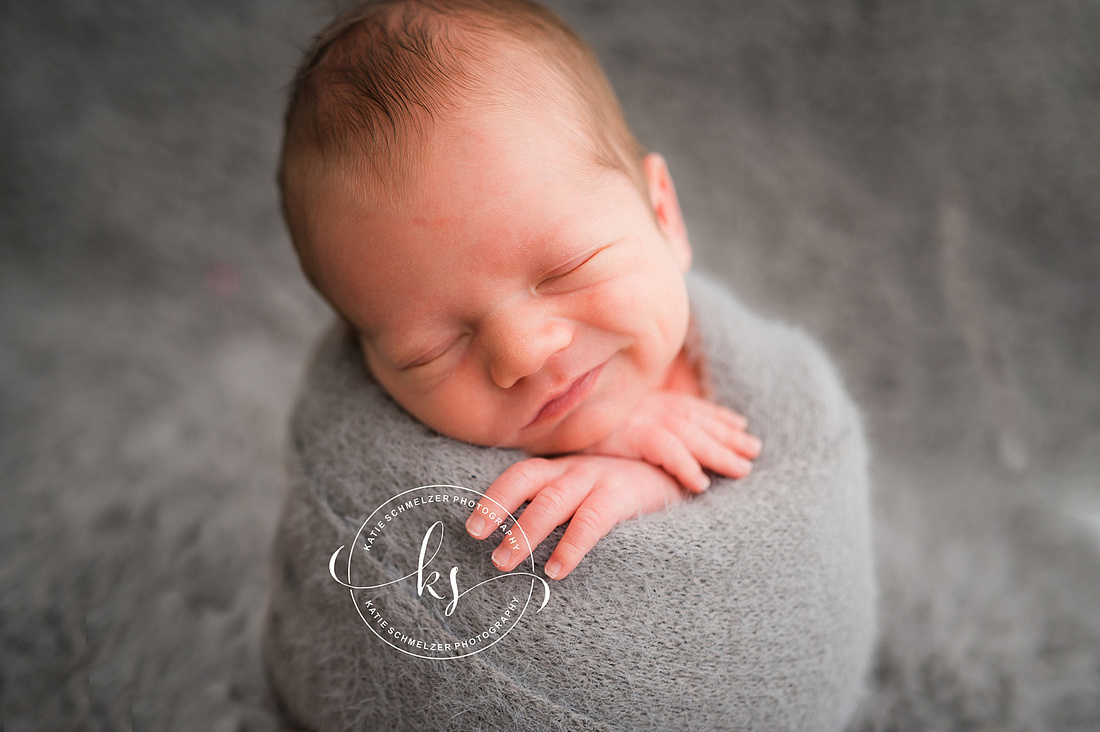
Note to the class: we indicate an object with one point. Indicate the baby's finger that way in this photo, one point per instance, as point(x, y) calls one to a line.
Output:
point(658, 446)
point(709, 410)
point(515, 485)
point(736, 419)
point(551, 507)
point(747, 445)
point(729, 417)
point(739, 440)
point(721, 418)
point(591, 521)
point(715, 455)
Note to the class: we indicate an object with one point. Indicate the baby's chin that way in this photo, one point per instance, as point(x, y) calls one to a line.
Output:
point(579, 430)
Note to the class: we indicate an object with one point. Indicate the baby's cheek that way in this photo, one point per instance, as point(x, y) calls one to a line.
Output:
point(621, 307)
point(466, 417)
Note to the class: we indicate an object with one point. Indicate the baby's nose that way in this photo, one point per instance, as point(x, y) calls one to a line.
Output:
point(519, 344)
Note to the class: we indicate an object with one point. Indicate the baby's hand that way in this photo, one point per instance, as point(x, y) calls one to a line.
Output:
point(592, 492)
point(684, 434)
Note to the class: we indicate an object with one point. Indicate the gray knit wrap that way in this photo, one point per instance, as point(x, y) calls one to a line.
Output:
point(750, 606)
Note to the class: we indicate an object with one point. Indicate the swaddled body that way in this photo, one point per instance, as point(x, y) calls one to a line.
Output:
point(751, 606)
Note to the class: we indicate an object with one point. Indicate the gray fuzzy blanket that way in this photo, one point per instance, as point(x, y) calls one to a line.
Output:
point(749, 607)
point(915, 184)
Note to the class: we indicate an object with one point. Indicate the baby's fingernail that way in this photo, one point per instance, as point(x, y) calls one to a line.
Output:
point(753, 444)
point(703, 483)
point(744, 466)
point(475, 525)
point(553, 567)
point(501, 556)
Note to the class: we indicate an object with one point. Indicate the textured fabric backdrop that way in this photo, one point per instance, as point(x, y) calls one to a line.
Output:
point(916, 184)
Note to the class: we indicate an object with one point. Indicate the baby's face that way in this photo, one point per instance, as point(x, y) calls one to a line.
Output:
point(517, 295)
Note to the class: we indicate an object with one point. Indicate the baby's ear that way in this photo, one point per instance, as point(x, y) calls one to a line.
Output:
point(666, 207)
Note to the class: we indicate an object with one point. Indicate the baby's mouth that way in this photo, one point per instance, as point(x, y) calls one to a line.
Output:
point(569, 398)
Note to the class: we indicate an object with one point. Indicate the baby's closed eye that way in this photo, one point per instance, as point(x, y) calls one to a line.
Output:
point(434, 354)
point(559, 277)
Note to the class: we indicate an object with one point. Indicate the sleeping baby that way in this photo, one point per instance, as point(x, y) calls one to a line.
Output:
point(461, 186)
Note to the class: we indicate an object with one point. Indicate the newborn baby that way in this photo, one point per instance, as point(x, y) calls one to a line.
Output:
point(461, 187)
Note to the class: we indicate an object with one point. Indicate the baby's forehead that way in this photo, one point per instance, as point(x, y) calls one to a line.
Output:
point(485, 130)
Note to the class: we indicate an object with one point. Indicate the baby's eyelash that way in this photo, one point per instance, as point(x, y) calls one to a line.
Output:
point(431, 356)
point(572, 269)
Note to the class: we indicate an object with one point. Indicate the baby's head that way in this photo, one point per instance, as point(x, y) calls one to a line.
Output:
point(461, 186)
